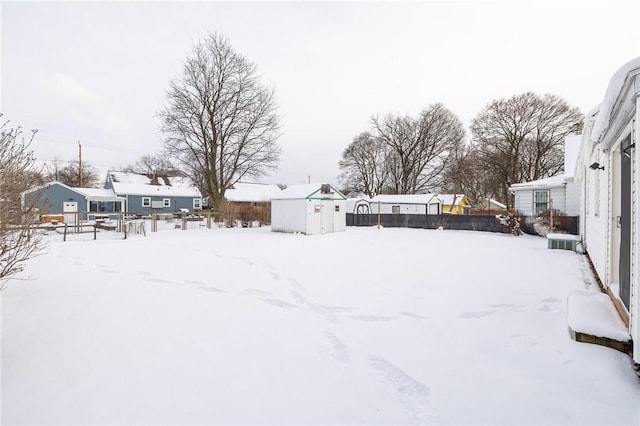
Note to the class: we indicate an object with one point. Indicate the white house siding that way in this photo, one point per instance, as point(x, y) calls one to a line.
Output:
point(289, 215)
point(572, 199)
point(387, 208)
point(618, 117)
point(565, 199)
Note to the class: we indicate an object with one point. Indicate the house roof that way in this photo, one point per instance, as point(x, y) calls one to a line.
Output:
point(251, 192)
point(309, 190)
point(550, 182)
point(403, 198)
point(92, 194)
point(125, 183)
point(452, 199)
point(614, 88)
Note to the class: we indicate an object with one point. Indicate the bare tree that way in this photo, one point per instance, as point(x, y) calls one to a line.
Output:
point(419, 147)
point(153, 165)
point(364, 167)
point(522, 138)
point(18, 242)
point(220, 122)
point(70, 174)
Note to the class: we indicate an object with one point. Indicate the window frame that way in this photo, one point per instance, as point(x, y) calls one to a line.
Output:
point(146, 201)
point(166, 202)
point(536, 202)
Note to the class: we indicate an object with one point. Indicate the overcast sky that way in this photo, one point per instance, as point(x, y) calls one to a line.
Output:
point(97, 72)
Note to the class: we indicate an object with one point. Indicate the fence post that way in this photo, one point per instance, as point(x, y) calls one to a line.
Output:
point(64, 238)
point(184, 221)
point(95, 231)
point(209, 219)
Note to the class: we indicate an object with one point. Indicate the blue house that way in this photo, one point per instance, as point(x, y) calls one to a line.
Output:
point(148, 194)
point(56, 198)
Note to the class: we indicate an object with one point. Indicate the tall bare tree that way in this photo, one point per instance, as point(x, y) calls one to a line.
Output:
point(364, 167)
point(522, 138)
point(220, 122)
point(70, 174)
point(420, 147)
point(18, 242)
point(153, 165)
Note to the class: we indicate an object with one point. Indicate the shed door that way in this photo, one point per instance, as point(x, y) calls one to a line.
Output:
point(625, 224)
point(70, 210)
point(328, 209)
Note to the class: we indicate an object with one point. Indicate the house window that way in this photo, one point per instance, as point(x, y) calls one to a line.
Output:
point(337, 208)
point(540, 200)
point(166, 202)
point(146, 201)
point(197, 203)
point(395, 209)
point(317, 208)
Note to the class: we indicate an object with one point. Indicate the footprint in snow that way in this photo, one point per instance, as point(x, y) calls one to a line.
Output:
point(477, 314)
point(413, 315)
point(371, 318)
point(413, 393)
point(338, 350)
point(255, 291)
point(278, 303)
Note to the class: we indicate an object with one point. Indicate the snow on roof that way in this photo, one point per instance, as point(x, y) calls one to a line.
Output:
point(611, 95)
point(97, 193)
point(549, 182)
point(497, 203)
point(303, 191)
point(571, 151)
point(353, 202)
point(403, 198)
point(136, 184)
point(451, 199)
point(251, 192)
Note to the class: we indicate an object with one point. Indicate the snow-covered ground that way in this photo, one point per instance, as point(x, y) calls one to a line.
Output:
point(245, 326)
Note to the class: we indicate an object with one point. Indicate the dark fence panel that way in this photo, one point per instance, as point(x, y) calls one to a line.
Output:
point(487, 223)
point(458, 222)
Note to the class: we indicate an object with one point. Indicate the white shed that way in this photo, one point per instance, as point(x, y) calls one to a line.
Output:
point(309, 209)
point(406, 204)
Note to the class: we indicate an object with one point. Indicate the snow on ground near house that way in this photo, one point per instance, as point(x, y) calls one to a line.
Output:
point(245, 326)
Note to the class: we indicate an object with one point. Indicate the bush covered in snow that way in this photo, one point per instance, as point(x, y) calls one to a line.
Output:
point(542, 222)
point(511, 220)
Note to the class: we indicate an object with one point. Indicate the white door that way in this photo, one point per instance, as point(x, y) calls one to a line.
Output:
point(328, 207)
point(70, 210)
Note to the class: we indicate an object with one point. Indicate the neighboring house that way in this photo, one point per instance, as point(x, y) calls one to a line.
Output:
point(154, 194)
point(405, 204)
point(454, 204)
point(488, 206)
point(607, 172)
point(250, 201)
point(559, 192)
point(56, 198)
point(309, 209)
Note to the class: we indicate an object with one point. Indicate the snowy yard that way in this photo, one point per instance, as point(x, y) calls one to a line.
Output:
point(245, 326)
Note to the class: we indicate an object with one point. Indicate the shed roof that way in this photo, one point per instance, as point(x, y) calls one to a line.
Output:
point(307, 190)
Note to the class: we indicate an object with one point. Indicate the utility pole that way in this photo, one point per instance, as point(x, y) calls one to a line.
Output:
point(80, 164)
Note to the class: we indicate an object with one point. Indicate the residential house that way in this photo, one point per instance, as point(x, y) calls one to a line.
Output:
point(250, 201)
point(55, 200)
point(309, 209)
point(145, 194)
point(454, 204)
point(607, 172)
